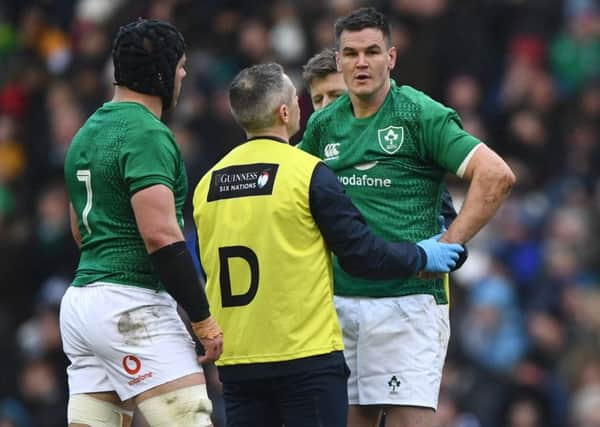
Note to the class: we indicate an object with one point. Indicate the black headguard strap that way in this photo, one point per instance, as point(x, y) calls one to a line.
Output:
point(145, 54)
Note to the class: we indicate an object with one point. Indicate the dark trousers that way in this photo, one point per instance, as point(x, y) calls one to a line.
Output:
point(312, 398)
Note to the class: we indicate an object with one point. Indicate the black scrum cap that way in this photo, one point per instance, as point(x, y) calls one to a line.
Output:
point(145, 54)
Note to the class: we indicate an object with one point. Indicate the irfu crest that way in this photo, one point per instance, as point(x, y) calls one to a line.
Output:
point(391, 138)
point(393, 384)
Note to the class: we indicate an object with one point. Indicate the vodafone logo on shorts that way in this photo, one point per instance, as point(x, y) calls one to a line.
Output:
point(132, 364)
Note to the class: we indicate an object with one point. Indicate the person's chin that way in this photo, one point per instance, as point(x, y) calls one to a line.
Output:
point(363, 90)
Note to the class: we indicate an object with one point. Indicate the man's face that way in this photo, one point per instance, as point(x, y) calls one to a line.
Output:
point(365, 61)
point(326, 89)
point(180, 74)
point(293, 124)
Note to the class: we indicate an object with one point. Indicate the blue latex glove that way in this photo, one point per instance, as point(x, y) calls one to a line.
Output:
point(441, 257)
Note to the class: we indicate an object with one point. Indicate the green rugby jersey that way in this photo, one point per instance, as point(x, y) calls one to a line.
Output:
point(392, 165)
point(121, 149)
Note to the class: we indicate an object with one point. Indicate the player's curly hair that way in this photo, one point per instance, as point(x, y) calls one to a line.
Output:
point(145, 54)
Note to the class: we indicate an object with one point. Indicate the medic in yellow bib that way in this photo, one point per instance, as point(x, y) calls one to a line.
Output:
point(268, 216)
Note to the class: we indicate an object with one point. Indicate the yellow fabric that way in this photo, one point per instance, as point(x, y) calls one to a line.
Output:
point(12, 160)
point(292, 313)
point(52, 40)
point(447, 287)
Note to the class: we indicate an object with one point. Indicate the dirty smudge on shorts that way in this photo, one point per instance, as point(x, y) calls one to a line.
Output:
point(132, 327)
point(147, 322)
point(155, 312)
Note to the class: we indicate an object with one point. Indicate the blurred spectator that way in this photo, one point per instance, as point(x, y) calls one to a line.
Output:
point(287, 35)
point(42, 395)
point(586, 408)
point(13, 414)
point(48, 40)
point(463, 93)
point(525, 59)
point(582, 368)
point(525, 411)
point(448, 413)
point(492, 333)
point(575, 52)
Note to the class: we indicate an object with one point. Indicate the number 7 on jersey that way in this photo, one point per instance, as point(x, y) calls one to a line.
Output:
point(84, 175)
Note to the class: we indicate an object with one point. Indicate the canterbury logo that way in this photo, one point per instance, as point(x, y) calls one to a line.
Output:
point(331, 151)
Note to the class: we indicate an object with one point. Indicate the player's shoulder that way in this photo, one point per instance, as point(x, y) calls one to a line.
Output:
point(421, 101)
point(406, 93)
point(298, 153)
point(143, 124)
point(138, 116)
point(333, 111)
point(294, 158)
point(339, 105)
point(236, 156)
point(289, 153)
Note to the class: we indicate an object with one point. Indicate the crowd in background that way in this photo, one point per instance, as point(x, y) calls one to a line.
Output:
point(524, 75)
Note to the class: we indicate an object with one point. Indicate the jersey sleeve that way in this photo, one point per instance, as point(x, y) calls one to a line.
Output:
point(149, 158)
point(310, 139)
point(445, 141)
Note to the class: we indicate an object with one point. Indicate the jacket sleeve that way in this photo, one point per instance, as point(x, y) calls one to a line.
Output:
point(447, 211)
point(359, 251)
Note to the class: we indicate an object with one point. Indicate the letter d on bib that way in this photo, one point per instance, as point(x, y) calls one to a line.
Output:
point(227, 297)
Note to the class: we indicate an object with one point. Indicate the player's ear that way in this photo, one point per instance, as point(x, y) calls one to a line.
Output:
point(337, 61)
point(392, 55)
point(284, 113)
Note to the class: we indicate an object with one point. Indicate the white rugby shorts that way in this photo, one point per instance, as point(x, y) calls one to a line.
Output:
point(395, 348)
point(124, 339)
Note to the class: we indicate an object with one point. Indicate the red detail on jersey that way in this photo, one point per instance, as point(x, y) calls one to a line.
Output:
point(130, 360)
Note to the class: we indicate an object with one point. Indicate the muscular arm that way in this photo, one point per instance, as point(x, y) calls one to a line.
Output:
point(490, 183)
point(154, 209)
point(74, 227)
point(156, 218)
